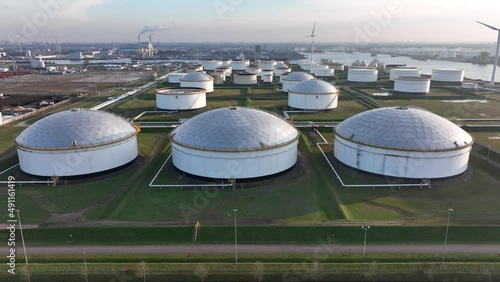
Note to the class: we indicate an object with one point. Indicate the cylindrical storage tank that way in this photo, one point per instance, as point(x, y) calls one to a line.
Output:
point(403, 142)
point(234, 143)
point(198, 80)
point(293, 78)
point(254, 69)
point(336, 66)
point(194, 69)
point(175, 77)
point(267, 65)
point(355, 74)
point(219, 78)
point(180, 98)
point(76, 142)
point(324, 72)
point(211, 65)
point(266, 76)
point(226, 70)
point(240, 65)
point(316, 68)
point(245, 78)
point(412, 84)
point(306, 65)
point(282, 70)
point(227, 63)
point(448, 75)
point(313, 95)
point(404, 72)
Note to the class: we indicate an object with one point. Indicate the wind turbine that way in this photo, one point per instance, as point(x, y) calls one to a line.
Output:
point(312, 35)
point(495, 62)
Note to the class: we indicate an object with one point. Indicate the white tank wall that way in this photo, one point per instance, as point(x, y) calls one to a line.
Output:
point(211, 65)
point(256, 71)
point(404, 72)
point(227, 63)
point(406, 164)
point(267, 78)
point(279, 72)
point(181, 101)
point(240, 65)
point(77, 162)
point(288, 84)
point(227, 72)
point(227, 165)
point(448, 75)
point(312, 102)
point(245, 79)
point(267, 65)
point(207, 85)
point(337, 67)
point(362, 75)
point(175, 77)
point(412, 86)
point(324, 72)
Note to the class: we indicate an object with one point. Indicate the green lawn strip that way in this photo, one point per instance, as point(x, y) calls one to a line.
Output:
point(261, 235)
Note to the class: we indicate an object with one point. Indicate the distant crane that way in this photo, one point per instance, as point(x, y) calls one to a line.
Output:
point(312, 35)
point(495, 63)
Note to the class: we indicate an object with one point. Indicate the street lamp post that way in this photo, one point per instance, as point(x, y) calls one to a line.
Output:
point(446, 235)
point(366, 228)
point(235, 238)
point(84, 260)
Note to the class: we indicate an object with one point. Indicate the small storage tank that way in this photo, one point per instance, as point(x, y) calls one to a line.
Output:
point(245, 78)
point(226, 70)
point(240, 65)
point(180, 98)
point(254, 69)
point(280, 69)
point(336, 66)
point(266, 76)
point(324, 72)
point(359, 74)
point(406, 72)
point(448, 75)
point(219, 78)
point(227, 63)
point(198, 80)
point(194, 68)
point(175, 77)
point(313, 94)
point(412, 84)
point(267, 65)
point(293, 78)
point(211, 65)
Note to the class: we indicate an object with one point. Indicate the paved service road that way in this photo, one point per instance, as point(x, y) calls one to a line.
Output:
point(261, 249)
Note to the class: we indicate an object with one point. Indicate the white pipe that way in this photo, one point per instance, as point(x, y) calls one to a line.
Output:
point(28, 182)
point(9, 169)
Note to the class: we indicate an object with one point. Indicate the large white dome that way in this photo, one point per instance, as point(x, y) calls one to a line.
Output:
point(196, 77)
point(404, 128)
point(313, 87)
point(76, 128)
point(297, 76)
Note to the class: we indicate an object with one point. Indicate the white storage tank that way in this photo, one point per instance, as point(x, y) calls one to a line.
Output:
point(211, 65)
point(404, 72)
point(227, 63)
point(180, 98)
point(234, 143)
point(293, 78)
point(194, 68)
point(254, 69)
point(336, 66)
point(245, 78)
point(280, 69)
point(324, 72)
point(412, 84)
point(226, 70)
point(267, 65)
point(360, 74)
point(267, 76)
point(403, 142)
point(198, 80)
point(313, 95)
point(175, 77)
point(240, 65)
point(219, 78)
point(448, 75)
point(76, 142)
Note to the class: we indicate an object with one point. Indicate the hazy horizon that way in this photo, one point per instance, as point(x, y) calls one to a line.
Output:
point(257, 21)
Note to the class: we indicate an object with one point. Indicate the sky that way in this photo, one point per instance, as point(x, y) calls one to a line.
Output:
point(250, 20)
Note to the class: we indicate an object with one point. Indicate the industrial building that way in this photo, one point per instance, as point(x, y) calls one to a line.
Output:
point(198, 80)
point(234, 143)
point(412, 84)
point(448, 75)
point(313, 95)
point(76, 142)
point(245, 78)
point(180, 98)
point(293, 78)
point(407, 72)
point(362, 74)
point(403, 142)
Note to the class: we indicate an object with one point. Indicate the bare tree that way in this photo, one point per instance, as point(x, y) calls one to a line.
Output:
point(372, 270)
point(26, 273)
point(201, 272)
point(84, 273)
point(258, 271)
point(315, 271)
point(143, 270)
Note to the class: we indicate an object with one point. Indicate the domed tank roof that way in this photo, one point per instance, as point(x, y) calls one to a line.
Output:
point(74, 129)
point(196, 76)
point(404, 128)
point(281, 66)
point(234, 129)
point(313, 87)
point(298, 76)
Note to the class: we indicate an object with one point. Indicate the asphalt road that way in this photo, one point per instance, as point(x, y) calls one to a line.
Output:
point(260, 249)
